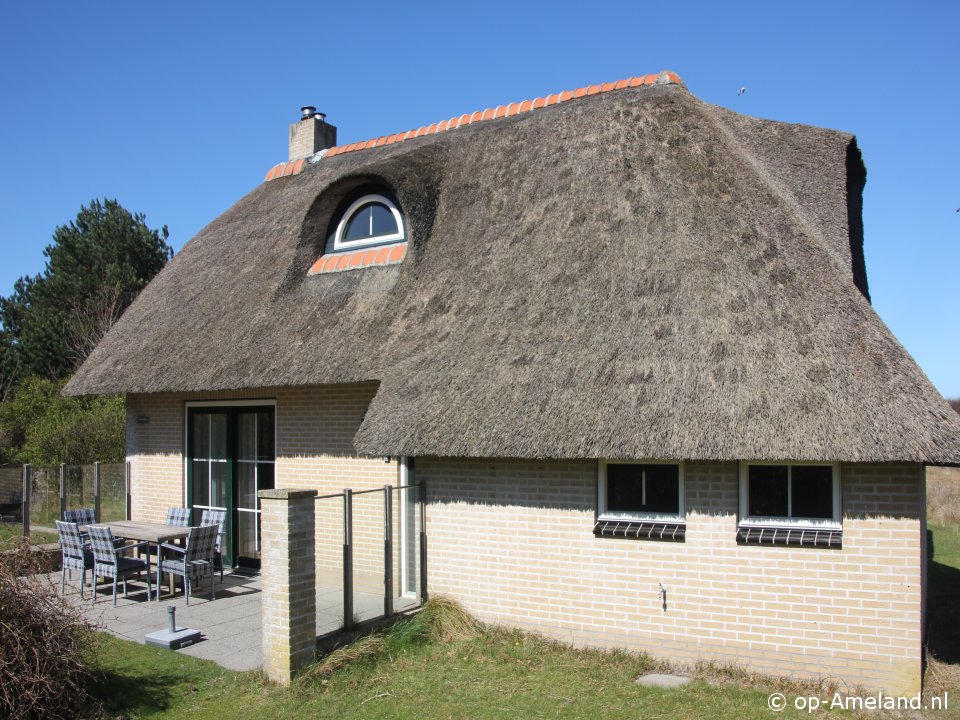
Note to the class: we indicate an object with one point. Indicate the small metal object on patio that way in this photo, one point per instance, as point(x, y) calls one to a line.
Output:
point(173, 638)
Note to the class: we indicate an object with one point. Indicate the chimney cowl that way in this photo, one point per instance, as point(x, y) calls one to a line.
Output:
point(307, 138)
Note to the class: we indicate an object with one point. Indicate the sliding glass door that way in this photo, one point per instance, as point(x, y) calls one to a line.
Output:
point(230, 456)
point(255, 461)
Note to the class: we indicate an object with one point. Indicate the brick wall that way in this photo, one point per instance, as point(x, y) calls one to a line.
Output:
point(513, 541)
point(315, 428)
point(155, 453)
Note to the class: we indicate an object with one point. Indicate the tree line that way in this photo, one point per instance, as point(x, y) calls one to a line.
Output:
point(95, 267)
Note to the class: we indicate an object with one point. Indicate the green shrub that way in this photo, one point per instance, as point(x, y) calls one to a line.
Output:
point(40, 426)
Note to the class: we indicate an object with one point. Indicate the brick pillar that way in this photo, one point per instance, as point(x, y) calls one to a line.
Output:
point(288, 577)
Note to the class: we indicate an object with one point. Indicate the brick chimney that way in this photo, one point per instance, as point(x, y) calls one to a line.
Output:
point(311, 134)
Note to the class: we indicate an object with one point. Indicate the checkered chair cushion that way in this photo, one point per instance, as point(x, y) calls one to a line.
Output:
point(82, 516)
point(194, 562)
point(76, 556)
point(216, 517)
point(111, 561)
point(178, 516)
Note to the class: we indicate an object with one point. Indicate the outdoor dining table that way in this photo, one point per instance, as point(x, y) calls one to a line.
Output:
point(152, 532)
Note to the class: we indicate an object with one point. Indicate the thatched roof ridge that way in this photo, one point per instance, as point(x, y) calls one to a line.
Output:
point(295, 167)
point(636, 274)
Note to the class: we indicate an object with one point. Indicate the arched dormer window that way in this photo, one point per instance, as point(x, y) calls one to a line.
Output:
point(369, 220)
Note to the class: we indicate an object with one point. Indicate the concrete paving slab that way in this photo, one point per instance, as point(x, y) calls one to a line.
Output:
point(230, 625)
point(659, 680)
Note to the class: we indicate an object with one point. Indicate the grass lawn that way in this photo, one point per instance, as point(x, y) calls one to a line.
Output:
point(943, 622)
point(496, 675)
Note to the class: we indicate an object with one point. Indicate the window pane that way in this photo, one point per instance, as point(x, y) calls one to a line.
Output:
point(624, 490)
point(218, 484)
point(383, 220)
point(201, 483)
point(812, 489)
point(246, 435)
point(358, 227)
point(265, 449)
point(663, 489)
point(201, 435)
point(218, 436)
point(767, 491)
point(627, 491)
point(247, 526)
point(246, 485)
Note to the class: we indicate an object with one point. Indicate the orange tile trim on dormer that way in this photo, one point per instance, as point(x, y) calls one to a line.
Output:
point(388, 255)
point(666, 77)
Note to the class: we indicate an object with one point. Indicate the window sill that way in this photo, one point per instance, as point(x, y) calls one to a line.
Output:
point(641, 530)
point(812, 537)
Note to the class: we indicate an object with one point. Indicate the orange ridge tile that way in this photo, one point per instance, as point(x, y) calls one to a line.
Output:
point(666, 76)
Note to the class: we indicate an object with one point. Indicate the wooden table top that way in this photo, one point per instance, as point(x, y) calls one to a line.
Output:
point(139, 530)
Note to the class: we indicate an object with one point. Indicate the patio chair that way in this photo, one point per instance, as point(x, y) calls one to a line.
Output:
point(216, 517)
point(111, 561)
point(82, 516)
point(178, 516)
point(193, 562)
point(76, 554)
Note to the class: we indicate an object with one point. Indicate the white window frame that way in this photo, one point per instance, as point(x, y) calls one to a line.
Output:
point(746, 520)
point(340, 244)
point(604, 514)
point(407, 497)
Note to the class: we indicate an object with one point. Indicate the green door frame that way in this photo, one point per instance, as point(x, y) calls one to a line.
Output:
point(231, 411)
point(227, 551)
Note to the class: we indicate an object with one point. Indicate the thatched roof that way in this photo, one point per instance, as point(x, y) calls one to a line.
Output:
point(633, 273)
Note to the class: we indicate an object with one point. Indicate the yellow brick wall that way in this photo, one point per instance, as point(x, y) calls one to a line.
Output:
point(315, 429)
point(513, 540)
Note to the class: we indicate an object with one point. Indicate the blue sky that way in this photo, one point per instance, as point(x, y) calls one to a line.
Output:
point(179, 109)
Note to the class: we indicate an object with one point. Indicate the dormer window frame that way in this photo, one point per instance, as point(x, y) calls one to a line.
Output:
point(340, 245)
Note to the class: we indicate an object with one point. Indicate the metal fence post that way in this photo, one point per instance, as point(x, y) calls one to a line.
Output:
point(423, 542)
point(126, 490)
point(25, 509)
point(348, 559)
point(388, 550)
point(63, 490)
point(96, 491)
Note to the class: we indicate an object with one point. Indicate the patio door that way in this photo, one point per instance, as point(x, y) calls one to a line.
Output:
point(254, 471)
point(230, 456)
